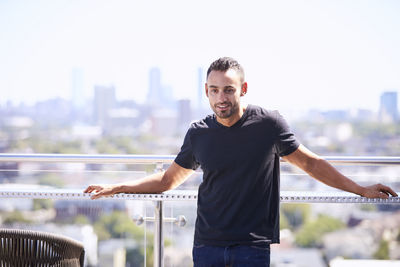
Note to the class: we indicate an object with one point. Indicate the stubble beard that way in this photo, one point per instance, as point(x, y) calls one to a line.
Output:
point(226, 113)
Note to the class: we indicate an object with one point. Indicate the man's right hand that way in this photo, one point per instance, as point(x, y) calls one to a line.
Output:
point(100, 190)
point(155, 183)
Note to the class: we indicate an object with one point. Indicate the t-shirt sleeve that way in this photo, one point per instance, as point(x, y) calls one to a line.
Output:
point(185, 157)
point(286, 143)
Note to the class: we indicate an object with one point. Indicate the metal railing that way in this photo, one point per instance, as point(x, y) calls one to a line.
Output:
point(167, 159)
point(191, 195)
point(181, 195)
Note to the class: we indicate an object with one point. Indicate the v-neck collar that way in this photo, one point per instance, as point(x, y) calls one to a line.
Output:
point(236, 124)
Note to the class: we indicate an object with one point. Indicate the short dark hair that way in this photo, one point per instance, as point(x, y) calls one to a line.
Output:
point(224, 64)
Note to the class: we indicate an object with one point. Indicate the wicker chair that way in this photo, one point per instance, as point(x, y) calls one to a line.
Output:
point(25, 248)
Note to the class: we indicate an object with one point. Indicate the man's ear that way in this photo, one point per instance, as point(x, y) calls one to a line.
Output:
point(206, 88)
point(244, 89)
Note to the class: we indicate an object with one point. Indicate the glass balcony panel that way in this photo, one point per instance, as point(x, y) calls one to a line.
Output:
point(369, 230)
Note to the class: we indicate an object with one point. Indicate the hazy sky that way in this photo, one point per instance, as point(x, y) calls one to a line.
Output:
point(296, 54)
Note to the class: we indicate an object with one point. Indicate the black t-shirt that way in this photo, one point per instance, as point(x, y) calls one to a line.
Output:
point(238, 200)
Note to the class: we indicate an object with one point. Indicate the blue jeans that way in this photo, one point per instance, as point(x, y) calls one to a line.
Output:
point(232, 256)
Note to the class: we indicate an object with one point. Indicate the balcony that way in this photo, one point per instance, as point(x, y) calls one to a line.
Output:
point(44, 192)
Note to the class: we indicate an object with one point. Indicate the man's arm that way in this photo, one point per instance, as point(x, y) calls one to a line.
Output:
point(321, 170)
point(155, 183)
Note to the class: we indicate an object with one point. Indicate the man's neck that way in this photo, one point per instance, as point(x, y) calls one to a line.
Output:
point(228, 122)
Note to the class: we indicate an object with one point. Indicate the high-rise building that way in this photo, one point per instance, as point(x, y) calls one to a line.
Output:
point(202, 108)
point(388, 110)
point(104, 101)
point(200, 89)
point(184, 115)
point(159, 96)
point(77, 88)
point(153, 95)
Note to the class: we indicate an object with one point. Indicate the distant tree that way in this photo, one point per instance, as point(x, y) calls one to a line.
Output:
point(101, 231)
point(126, 145)
point(383, 251)
point(398, 236)
point(39, 204)
point(117, 225)
point(296, 214)
point(15, 217)
point(310, 235)
point(18, 145)
point(336, 148)
point(42, 144)
point(72, 147)
point(283, 222)
point(134, 257)
point(105, 146)
point(81, 219)
point(368, 207)
point(51, 179)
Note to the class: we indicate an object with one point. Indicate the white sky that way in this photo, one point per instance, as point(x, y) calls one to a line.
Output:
point(296, 54)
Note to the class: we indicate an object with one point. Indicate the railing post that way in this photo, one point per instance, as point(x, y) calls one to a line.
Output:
point(158, 228)
point(158, 234)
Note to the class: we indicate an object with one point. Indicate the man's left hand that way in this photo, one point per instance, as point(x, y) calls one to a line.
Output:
point(378, 191)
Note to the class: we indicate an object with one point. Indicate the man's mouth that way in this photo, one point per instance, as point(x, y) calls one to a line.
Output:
point(222, 106)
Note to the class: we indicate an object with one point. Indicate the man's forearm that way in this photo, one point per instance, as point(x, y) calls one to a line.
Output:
point(326, 173)
point(321, 170)
point(149, 184)
point(155, 183)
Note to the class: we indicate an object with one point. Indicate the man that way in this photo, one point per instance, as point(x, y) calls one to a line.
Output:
point(238, 149)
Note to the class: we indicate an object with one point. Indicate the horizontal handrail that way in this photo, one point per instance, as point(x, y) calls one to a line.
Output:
point(353, 160)
point(86, 158)
point(191, 195)
point(166, 159)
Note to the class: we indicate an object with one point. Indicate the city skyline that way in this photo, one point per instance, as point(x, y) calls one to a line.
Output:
point(297, 56)
point(159, 96)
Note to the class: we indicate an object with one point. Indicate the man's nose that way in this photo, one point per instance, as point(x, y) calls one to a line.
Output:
point(222, 97)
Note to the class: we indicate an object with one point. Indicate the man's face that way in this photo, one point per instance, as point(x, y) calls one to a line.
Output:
point(224, 90)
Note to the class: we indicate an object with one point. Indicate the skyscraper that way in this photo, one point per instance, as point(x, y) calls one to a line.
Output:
point(153, 95)
point(388, 111)
point(77, 88)
point(104, 101)
point(202, 108)
point(184, 115)
point(200, 89)
point(159, 96)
